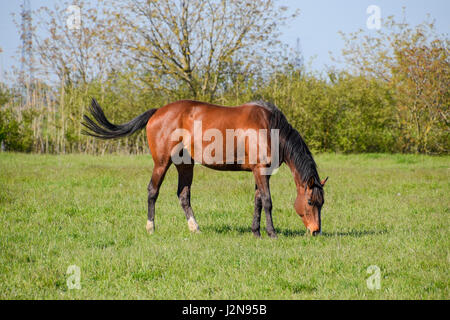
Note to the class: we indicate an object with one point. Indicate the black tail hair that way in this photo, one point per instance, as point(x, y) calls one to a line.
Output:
point(107, 130)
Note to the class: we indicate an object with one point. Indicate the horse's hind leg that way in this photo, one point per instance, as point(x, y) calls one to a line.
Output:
point(185, 175)
point(257, 213)
point(159, 171)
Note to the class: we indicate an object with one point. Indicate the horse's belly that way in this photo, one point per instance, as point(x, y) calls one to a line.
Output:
point(228, 167)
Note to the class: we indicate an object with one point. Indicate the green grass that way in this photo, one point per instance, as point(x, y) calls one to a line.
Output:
point(391, 211)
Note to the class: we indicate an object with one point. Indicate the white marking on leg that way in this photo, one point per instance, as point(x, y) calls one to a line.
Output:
point(150, 226)
point(192, 224)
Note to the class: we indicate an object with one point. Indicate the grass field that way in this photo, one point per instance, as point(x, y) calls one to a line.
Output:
point(390, 211)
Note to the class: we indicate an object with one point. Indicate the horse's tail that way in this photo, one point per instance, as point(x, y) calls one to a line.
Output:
point(106, 130)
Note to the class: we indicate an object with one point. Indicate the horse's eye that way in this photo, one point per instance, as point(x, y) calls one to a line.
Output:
point(309, 202)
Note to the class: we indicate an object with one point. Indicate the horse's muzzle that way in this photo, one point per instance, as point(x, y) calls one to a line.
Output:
point(315, 232)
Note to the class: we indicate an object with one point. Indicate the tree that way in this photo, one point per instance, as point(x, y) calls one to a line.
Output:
point(195, 42)
point(74, 53)
point(422, 78)
point(414, 62)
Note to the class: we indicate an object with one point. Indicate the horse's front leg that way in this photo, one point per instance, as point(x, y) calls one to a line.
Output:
point(262, 183)
point(257, 214)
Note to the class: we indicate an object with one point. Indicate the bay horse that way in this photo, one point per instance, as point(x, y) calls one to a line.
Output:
point(183, 116)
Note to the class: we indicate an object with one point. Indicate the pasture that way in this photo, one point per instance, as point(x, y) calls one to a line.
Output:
point(389, 211)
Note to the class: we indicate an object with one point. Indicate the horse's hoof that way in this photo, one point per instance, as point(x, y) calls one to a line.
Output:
point(257, 234)
point(193, 226)
point(273, 235)
point(150, 227)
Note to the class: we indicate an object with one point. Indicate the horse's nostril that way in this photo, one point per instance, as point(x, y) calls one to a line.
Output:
point(315, 233)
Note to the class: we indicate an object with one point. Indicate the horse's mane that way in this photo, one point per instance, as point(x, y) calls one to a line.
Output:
point(294, 149)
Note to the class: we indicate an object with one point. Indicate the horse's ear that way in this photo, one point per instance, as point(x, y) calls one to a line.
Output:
point(324, 181)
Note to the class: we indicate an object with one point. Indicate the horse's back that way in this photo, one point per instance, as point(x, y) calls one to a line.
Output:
point(185, 112)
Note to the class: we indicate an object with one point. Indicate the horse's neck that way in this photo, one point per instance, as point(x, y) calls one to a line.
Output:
point(297, 177)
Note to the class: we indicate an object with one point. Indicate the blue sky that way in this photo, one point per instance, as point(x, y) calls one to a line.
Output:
point(317, 25)
point(319, 21)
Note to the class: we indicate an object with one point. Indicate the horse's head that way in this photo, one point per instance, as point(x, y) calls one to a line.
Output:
point(309, 203)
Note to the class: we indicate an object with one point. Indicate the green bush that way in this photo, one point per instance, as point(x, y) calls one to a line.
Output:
point(337, 113)
point(341, 114)
point(15, 136)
